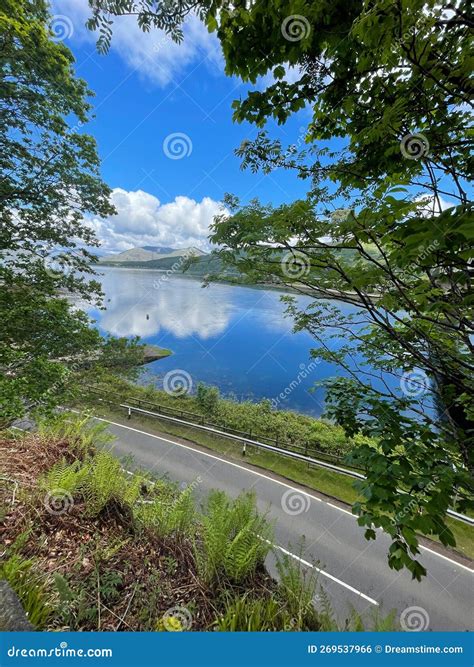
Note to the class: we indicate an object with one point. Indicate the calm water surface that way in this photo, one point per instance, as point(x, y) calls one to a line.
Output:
point(236, 338)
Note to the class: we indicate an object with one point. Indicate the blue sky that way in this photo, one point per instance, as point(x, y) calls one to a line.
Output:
point(155, 99)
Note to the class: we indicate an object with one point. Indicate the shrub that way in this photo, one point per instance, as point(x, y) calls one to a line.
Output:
point(65, 477)
point(168, 516)
point(207, 398)
point(81, 432)
point(375, 622)
point(234, 538)
point(291, 428)
point(98, 481)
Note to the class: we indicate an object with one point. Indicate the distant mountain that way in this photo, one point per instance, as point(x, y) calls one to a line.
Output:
point(205, 264)
point(161, 250)
point(148, 254)
point(201, 267)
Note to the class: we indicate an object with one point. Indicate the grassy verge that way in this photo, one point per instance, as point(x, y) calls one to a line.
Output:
point(262, 420)
point(339, 487)
point(153, 353)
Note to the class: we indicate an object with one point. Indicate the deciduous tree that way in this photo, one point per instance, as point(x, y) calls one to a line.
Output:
point(49, 182)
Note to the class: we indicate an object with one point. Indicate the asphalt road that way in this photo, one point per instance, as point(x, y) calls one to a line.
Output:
point(354, 572)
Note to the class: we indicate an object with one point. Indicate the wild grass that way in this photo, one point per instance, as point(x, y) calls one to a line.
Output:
point(250, 614)
point(31, 589)
point(291, 429)
point(297, 586)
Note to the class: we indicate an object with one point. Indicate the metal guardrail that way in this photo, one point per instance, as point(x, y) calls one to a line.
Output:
point(307, 449)
point(272, 448)
point(245, 441)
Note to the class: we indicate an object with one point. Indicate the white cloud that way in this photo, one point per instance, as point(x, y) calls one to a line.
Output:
point(433, 206)
point(153, 54)
point(148, 312)
point(293, 73)
point(143, 220)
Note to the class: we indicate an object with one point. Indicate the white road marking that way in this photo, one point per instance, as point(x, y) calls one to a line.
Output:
point(450, 560)
point(341, 509)
point(271, 479)
point(325, 574)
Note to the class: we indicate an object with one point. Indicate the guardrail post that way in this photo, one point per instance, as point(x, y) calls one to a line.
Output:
point(244, 448)
point(129, 416)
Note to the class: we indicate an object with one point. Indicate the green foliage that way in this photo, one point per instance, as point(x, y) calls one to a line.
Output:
point(50, 183)
point(31, 589)
point(246, 613)
point(297, 589)
point(99, 481)
point(166, 516)
point(80, 431)
point(376, 622)
point(67, 477)
point(233, 540)
point(207, 398)
point(67, 599)
point(290, 428)
point(50, 179)
point(79, 605)
point(110, 583)
point(389, 87)
point(229, 543)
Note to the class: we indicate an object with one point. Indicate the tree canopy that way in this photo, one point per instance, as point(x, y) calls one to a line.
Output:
point(49, 181)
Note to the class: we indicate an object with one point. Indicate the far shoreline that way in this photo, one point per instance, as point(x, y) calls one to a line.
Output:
point(337, 296)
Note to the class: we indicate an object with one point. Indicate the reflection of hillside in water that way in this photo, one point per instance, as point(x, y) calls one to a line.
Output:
point(179, 307)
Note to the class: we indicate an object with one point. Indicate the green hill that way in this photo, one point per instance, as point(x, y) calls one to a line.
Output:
point(198, 267)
